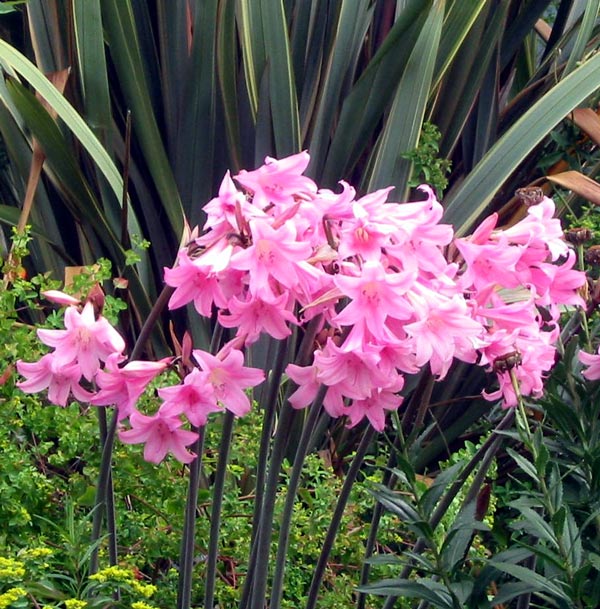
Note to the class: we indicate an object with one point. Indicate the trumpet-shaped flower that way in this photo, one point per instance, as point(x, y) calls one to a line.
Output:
point(229, 379)
point(86, 340)
point(50, 373)
point(161, 434)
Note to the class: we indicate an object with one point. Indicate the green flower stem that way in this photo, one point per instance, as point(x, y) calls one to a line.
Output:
point(290, 498)
point(215, 516)
point(336, 517)
point(186, 557)
point(583, 312)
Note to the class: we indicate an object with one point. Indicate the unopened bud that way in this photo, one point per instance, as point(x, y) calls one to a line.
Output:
point(507, 362)
point(578, 236)
point(530, 195)
point(96, 297)
point(592, 255)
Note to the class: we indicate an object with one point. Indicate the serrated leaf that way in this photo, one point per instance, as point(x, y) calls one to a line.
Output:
point(535, 580)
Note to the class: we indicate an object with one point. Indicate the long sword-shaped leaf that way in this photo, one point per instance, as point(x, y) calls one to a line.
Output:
point(458, 22)
point(282, 89)
point(403, 126)
point(195, 150)
point(89, 44)
point(124, 46)
point(20, 64)
point(369, 98)
point(351, 14)
point(584, 33)
point(469, 199)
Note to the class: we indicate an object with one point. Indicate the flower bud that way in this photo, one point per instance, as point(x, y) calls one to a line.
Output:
point(578, 235)
point(592, 255)
point(530, 195)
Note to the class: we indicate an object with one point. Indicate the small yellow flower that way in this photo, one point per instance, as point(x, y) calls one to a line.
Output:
point(75, 603)
point(113, 573)
point(10, 596)
point(141, 605)
point(32, 553)
point(145, 590)
point(11, 568)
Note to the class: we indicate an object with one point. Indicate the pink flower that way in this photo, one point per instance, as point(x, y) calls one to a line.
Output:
point(122, 387)
point(274, 254)
point(60, 297)
point(278, 181)
point(195, 398)
point(592, 360)
point(86, 340)
point(161, 434)
point(229, 379)
point(376, 295)
point(60, 379)
point(375, 406)
point(195, 281)
point(257, 315)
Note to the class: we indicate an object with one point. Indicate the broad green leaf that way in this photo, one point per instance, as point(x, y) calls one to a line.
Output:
point(427, 590)
point(403, 125)
point(469, 200)
point(524, 464)
point(537, 581)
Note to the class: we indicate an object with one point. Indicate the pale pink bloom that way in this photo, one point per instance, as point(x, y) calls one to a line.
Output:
point(539, 229)
point(274, 254)
point(308, 384)
point(59, 297)
point(257, 315)
point(566, 282)
point(374, 407)
point(229, 379)
point(375, 296)
point(60, 379)
point(444, 329)
point(221, 211)
point(86, 340)
point(122, 387)
point(592, 360)
point(195, 398)
point(278, 181)
point(193, 282)
point(161, 434)
point(354, 373)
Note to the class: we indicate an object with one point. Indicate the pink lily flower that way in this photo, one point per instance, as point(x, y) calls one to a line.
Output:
point(161, 434)
point(86, 340)
point(49, 373)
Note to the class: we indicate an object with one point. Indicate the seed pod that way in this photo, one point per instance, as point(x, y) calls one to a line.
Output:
point(530, 195)
point(578, 235)
point(507, 362)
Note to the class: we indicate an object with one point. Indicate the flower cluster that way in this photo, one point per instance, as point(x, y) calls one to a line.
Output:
point(372, 279)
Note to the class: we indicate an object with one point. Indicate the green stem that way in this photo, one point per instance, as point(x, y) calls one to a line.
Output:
point(186, 557)
point(336, 518)
point(215, 516)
